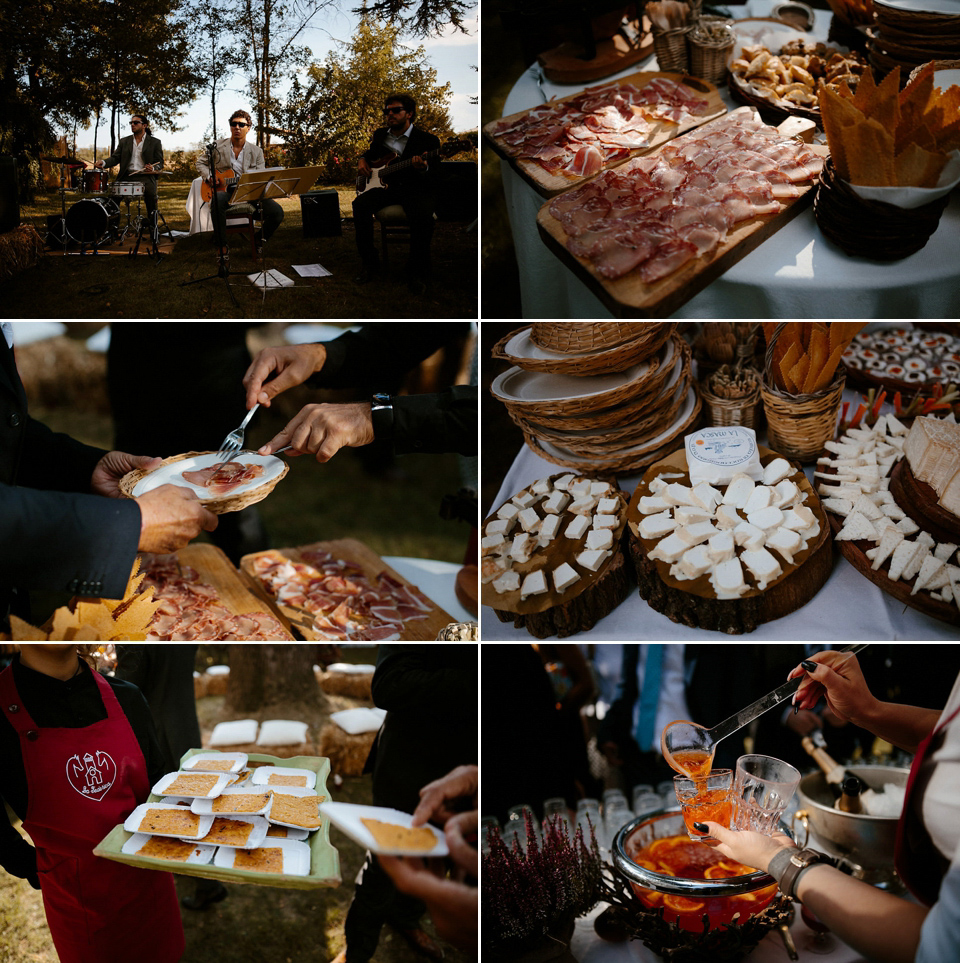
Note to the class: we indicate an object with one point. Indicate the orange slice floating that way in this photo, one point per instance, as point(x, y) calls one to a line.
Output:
point(680, 904)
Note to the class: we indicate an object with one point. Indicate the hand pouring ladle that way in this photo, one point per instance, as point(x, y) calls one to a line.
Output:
point(683, 737)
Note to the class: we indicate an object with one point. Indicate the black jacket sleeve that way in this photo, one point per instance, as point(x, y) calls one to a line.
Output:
point(436, 423)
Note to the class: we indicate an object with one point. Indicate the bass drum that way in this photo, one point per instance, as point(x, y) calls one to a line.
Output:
point(93, 220)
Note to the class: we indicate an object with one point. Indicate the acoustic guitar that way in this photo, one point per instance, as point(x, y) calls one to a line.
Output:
point(388, 165)
point(226, 181)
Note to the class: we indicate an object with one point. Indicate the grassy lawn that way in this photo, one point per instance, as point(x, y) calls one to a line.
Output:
point(120, 287)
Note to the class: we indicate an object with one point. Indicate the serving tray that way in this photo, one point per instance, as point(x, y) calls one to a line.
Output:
point(547, 184)
point(630, 297)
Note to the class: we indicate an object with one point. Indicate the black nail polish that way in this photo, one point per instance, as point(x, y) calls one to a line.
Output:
point(796, 709)
point(809, 665)
point(701, 827)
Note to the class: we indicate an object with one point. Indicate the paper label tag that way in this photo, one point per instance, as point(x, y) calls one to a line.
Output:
point(715, 455)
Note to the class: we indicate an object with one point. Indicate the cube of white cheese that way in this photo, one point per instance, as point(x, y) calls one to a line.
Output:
point(508, 582)
point(785, 543)
point(499, 526)
point(592, 559)
point(656, 526)
point(599, 539)
point(677, 494)
point(580, 487)
point(706, 496)
point(599, 488)
point(542, 487)
point(564, 576)
point(696, 533)
point(534, 584)
point(608, 506)
point(686, 515)
point(727, 579)
point(738, 491)
point(556, 502)
point(766, 518)
point(650, 504)
point(762, 565)
point(760, 497)
point(524, 500)
point(785, 493)
point(727, 517)
point(578, 526)
point(776, 471)
point(669, 549)
point(490, 543)
point(529, 519)
point(583, 505)
point(508, 511)
point(523, 547)
point(749, 536)
point(693, 563)
point(800, 518)
point(721, 546)
point(549, 528)
point(564, 482)
point(605, 521)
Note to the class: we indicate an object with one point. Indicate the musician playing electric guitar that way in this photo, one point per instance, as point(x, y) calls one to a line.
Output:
point(233, 157)
point(413, 187)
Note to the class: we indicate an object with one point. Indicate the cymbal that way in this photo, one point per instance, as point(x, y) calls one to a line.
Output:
point(69, 161)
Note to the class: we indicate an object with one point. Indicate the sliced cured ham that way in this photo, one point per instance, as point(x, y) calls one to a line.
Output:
point(654, 214)
point(224, 478)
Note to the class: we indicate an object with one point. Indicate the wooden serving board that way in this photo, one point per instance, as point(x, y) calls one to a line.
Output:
point(564, 64)
point(355, 552)
point(214, 568)
point(693, 601)
point(324, 858)
point(548, 184)
point(630, 297)
point(855, 552)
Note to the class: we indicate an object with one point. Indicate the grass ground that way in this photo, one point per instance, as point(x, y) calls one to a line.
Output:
point(77, 287)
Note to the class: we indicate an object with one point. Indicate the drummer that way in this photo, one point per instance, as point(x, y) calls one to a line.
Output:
point(140, 156)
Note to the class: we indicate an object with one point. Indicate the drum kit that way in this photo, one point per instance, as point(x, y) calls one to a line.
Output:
point(94, 220)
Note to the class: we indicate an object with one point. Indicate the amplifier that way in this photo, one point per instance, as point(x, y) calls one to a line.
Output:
point(321, 213)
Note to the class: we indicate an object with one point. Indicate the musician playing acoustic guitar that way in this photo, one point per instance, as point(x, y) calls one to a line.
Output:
point(412, 187)
point(233, 157)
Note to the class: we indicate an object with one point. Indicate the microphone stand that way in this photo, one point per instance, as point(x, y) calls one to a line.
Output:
point(223, 257)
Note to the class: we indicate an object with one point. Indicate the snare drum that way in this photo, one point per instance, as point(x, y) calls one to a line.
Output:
point(127, 189)
point(94, 181)
point(93, 220)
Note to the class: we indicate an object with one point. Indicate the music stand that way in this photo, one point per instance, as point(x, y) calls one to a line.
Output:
point(275, 182)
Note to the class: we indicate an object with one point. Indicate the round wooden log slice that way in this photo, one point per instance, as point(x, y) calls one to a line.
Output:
point(581, 612)
point(733, 616)
point(919, 501)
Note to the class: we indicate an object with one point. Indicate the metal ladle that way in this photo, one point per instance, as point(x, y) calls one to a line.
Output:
point(685, 736)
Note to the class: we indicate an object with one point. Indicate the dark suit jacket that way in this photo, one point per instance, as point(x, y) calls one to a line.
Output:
point(419, 143)
point(51, 536)
point(151, 149)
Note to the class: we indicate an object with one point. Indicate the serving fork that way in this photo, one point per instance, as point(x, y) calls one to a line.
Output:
point(233, 443)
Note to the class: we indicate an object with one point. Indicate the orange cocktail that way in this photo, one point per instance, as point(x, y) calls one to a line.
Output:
point(694, 763)
point(705, 798)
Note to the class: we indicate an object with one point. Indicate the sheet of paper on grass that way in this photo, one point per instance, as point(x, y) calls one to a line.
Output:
point(274, 279)
point(312, 271)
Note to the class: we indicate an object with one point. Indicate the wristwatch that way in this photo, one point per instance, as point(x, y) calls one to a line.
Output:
point(798, 863)
point(381, 414)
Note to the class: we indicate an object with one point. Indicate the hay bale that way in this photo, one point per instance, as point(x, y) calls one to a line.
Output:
point(20, 249)
point(60, 372)
point(347, 754)
point(199, 685)
point(353, 685)
point(217, 680)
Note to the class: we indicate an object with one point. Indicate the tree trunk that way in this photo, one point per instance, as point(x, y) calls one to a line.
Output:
point(262, 675)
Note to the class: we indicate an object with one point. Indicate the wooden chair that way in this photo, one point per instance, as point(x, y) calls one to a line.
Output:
point(240, 220)
point(393, 226)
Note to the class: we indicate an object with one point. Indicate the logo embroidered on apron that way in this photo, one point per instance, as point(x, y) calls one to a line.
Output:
point(93, 775)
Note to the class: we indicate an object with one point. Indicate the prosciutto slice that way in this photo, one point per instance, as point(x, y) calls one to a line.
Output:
point(224, 478)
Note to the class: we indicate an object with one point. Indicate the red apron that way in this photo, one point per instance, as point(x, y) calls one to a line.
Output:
point(81, 783)
point(918, 862)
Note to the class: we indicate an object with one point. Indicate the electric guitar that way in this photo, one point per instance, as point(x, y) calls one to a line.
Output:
point(388, 165)
point(226, 181)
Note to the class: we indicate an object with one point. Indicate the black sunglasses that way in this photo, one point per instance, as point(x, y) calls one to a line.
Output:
point(394, 110)
point(236, 123)
point(135, 123)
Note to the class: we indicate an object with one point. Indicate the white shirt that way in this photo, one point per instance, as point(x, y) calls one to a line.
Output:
point(397, 142)
point(136, 161)
point(673, 700)
point(940, 934)
point(7, 328)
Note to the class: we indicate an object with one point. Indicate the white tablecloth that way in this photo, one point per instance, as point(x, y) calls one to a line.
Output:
point(796, 273)
point(848, 607)
point(587, 947)
point(437, 580)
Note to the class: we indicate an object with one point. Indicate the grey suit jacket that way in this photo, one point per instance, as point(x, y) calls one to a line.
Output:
point(151, 149)
point(251, 158)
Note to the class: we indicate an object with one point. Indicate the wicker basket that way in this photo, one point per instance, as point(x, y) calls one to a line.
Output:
point(872, 229)
point(721, 412)
point(670, 46)
point(709, 58)
point(580, 337)
point(798, 426)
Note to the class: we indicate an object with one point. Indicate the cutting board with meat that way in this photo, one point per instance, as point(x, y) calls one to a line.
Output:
point(560, 143)
point(203, 598)
point(648, 235)
point(342, 591)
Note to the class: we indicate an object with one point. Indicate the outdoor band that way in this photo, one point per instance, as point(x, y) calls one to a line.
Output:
point(398, 142)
